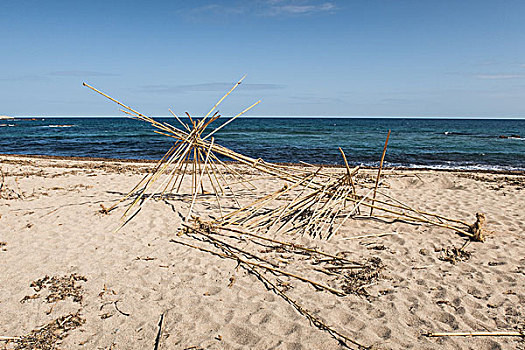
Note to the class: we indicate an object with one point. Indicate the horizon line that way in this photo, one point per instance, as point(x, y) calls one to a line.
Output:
point(280, 116)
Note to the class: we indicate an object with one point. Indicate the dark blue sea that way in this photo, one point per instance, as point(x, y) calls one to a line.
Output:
point(429, 143)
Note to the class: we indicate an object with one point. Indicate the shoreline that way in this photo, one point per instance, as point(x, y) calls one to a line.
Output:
point(337, 166)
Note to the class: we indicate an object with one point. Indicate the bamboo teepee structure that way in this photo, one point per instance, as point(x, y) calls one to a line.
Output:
point(311, 201)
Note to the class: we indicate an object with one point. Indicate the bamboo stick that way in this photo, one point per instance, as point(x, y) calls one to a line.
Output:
point(371, 235)
point(191, 120)
point(226, 182)
point(200, 179)
point(478, 334)
point(219, 102)
point(186, 161)
point(419, 211)
point(231, 120)
point(379, 170)
point(213, 170)
point(350, 179)
point(152, 179)
point(281, 172)
point(292, 245)
point(180, 121)
point(8, 339)
point(233, 171)
point(352, 211)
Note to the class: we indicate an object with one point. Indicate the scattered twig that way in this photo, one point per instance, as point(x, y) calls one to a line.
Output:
point(159, 333)
point(116, 307)
point(371, 235)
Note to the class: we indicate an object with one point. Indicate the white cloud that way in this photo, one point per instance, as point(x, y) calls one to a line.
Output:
point(500, 76)
point(82, 73)
point(281, 7)
point(207, 87)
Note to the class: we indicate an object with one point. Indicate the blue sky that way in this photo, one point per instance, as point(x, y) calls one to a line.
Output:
point(302, 57)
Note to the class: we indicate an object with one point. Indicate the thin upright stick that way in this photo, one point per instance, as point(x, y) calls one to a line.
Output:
point(223, 97)
point(379, 171)
point(350, 172)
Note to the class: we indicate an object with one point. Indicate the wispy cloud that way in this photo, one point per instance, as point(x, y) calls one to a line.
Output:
point(313, 99)
point(298, 8)
point(82, 73)
point(29, 77)
point(273, 8)
point(500, 76)
point(216, 9)
point(176, 89)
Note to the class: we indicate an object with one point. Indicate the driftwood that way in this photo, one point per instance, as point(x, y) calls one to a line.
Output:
point(477, 228)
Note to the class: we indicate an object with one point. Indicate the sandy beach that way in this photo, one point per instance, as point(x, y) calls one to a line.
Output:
point(109, 290)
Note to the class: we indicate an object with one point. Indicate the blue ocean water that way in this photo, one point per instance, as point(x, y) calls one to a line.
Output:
point(434, 143)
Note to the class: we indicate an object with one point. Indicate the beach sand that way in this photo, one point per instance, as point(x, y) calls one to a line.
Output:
point(123, 282)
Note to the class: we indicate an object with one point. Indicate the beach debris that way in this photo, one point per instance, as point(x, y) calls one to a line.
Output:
point(356, 280)
point(454, 255)
point(3, 246)
point(59, 288)
point(6, 192)
point(477, 228)
point(120, 311)
point(312, 211)
point(49, 336)
point(477, 334)
point(159, 332)
point(310, 201)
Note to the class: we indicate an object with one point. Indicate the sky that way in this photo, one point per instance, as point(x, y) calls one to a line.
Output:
point(420, 58)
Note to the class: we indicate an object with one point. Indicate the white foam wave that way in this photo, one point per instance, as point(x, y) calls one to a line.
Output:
point(58, 126)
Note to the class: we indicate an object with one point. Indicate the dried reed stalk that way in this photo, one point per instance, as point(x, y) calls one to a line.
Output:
point(477, 334)
point(379, 170)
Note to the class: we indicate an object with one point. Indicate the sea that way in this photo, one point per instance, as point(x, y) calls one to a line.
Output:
point(483, 144)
